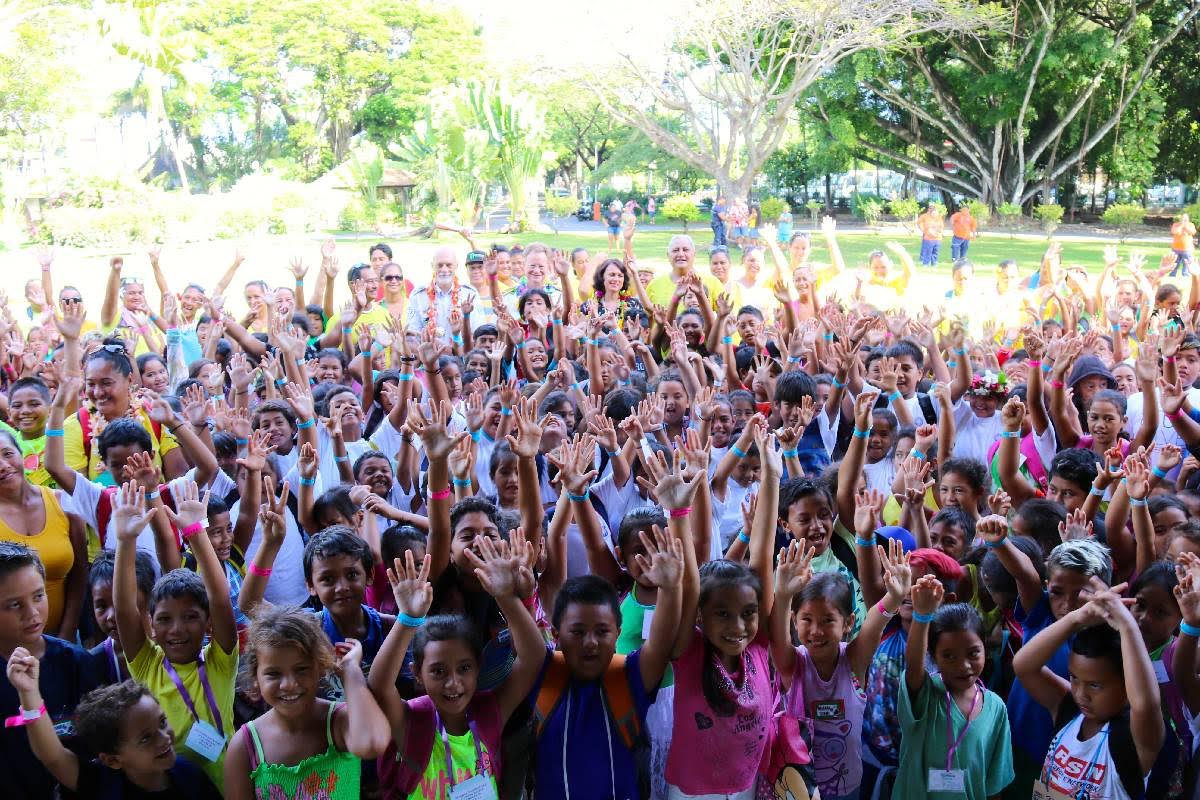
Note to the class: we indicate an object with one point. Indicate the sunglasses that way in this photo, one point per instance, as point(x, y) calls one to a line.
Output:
point(393, 278)
point(71, 301)
point(131, 281)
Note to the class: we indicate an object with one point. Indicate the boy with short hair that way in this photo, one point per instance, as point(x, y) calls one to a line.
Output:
point(69, 672)
point(192, 681)
point(100, 584)
point(127, 729)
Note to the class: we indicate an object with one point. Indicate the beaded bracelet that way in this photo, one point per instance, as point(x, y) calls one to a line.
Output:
point(923, 618)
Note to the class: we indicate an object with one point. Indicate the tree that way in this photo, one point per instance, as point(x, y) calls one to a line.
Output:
point(734, 72)
point(452, 160)
point(581, 131)
point(515, 127)
point(147, 33)
point(1005, 114)
point(1178, 75)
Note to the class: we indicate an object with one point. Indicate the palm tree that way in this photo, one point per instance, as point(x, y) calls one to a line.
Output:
point(146, 33)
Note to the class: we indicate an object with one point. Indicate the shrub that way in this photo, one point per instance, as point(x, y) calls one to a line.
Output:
point(814, 207)
point(681, 208)
point(1010, 213)
point(1193, 211)
point(770, 209)
point(905, 208)
point(867, 207)
point(979, 211)
point(239, 221)
point(99, 227)
point(1050, 215)
point(936, 207)
point(561, 206)
point(1124, 217)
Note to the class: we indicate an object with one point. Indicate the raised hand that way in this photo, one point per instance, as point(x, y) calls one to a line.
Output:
point(696, 454)
point(992, 528)
point(432, 429)
point(1187, 593)
point(257, 451)
point(190, 508)
point(867, 512)
point(662, 564)
point(410, 585)
point(140, 467)
point(1169, 457)
point(496, 567)
point(1137, 478)
point(297, 267)
point(70, 322)
point(1000, 503)
point(666, 482)
point(794, 570)
point(1012, 414)
point(347, 655)
point(130, 516)
point(23, 672)
point(528, 438)
point(1076, 526)
point(271, 512)
point(927, 594)
point(897, 570)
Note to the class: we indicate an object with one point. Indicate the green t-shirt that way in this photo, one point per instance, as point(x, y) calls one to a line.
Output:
point(435, 784)
point(985, 753)
point(33, 451)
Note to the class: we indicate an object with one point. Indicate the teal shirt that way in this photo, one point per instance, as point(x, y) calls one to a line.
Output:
point(985, 753)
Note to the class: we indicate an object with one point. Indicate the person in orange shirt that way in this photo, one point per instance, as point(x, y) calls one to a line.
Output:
point(962, 226)
point(1183, 238)
point(931, 225)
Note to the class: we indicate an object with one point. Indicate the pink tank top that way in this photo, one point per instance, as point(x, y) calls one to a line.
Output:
point(714, 753)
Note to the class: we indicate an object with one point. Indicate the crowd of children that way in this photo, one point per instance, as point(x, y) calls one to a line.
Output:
point(553, 526)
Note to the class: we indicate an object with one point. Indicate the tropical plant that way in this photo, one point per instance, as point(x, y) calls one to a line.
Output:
point(560, 207)
point(681, 208)
point(770, 208)
point(1050, 215)
point(1010, 213)
point(516, 130)
point(1124, 217)
point(452, 161)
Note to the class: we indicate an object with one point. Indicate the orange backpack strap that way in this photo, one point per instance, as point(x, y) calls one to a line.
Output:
point(619, 699)
point(553, 688)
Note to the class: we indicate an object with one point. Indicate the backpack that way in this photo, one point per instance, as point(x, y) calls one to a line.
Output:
point(618, 699)
point(104, 509)
point(85, 425)
point(400, 772)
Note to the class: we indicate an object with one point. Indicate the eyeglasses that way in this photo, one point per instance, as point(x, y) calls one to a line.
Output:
point(393, 278)
point(71, 301)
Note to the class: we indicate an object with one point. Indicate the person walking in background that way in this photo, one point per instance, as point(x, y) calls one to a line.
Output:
point(628, 225)
point(1183, 240)
point(719, 213)
point(612, 219)
point(963, 229)
point(738, 215)
point(931, 224)
point(651, 209)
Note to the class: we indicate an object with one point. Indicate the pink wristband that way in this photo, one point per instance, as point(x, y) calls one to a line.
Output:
point(1176, 415)
point(20, 720)
point(884, 611)
point(1057, 384)
point(443, 494)
point(681, 512)
point(1169, 359)
point(262, 572)
point(1033, 362)
point(191, 530)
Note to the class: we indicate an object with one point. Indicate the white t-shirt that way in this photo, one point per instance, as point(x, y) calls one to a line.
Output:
point(974, 436)
point(1072, 765)
point(1166, 433)
point(881, 474)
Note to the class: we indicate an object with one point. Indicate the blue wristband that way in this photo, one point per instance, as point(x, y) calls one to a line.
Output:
point(951, 364)
point(456, 339)
point(743, 538)
point(308, 481)
point(280, 382)
point(917, 454)
point(477, 435)
point(341, 459)
point(838, 384)
point(1096, 492)
point(962, 351)
point(1010, 434)
point(306, 424)
point(579, 498)
point(612, 453)
point(405, 376)
point(152, 495)
point(793, 453)
point(505, 411)
point(861, 542)
point(464, 482)
point(737, 451)
point(54, 432)
point(994, 545)
point(241, 442)
point(1046, 368)
point(1158, 472)
point(520, 345)
point(894, 396)
point(795, 359)
point(555, 321)
point(861, 434)
point(827, 337)
point(1136, 503)
point(409, 622)
point(919, 617)
point(726, 340)
point(1189, 630)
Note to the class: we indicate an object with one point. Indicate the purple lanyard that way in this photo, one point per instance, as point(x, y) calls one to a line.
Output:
point(446, 747)
point(187, 698)
point(118, 673)
point(950, 723)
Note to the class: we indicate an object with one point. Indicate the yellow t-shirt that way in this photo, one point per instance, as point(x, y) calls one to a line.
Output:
point(662, 288)
point(53, 546)
point(89, 464)
point(375, 315)
point(221, 668)
point(433, 785)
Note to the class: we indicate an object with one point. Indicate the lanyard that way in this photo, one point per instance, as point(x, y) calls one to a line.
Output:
point(1045, 777)
point(118, 673)
point(446, 748)
point(950, 723)
point(187, 698)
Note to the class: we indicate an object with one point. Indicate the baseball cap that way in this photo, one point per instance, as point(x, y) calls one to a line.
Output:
point(476, 257)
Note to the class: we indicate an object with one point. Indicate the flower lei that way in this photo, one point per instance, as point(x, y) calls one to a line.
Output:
point(431, 291)
point(989, 383)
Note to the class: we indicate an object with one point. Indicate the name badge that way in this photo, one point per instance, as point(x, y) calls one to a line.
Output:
point(647, 621)
point(1160, 672)
point(947, 780)
point(478, 787)
point(828, 710)
point(204, 741)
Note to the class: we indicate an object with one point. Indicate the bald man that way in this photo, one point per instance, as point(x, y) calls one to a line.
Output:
point(681, 253)
point(443, 293)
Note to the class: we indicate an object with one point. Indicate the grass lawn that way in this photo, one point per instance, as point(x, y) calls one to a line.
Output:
point(267, 257)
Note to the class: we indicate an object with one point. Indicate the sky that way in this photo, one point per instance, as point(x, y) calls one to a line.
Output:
point(572, 33)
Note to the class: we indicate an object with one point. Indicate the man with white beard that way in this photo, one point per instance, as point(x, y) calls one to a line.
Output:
point(442, 294)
